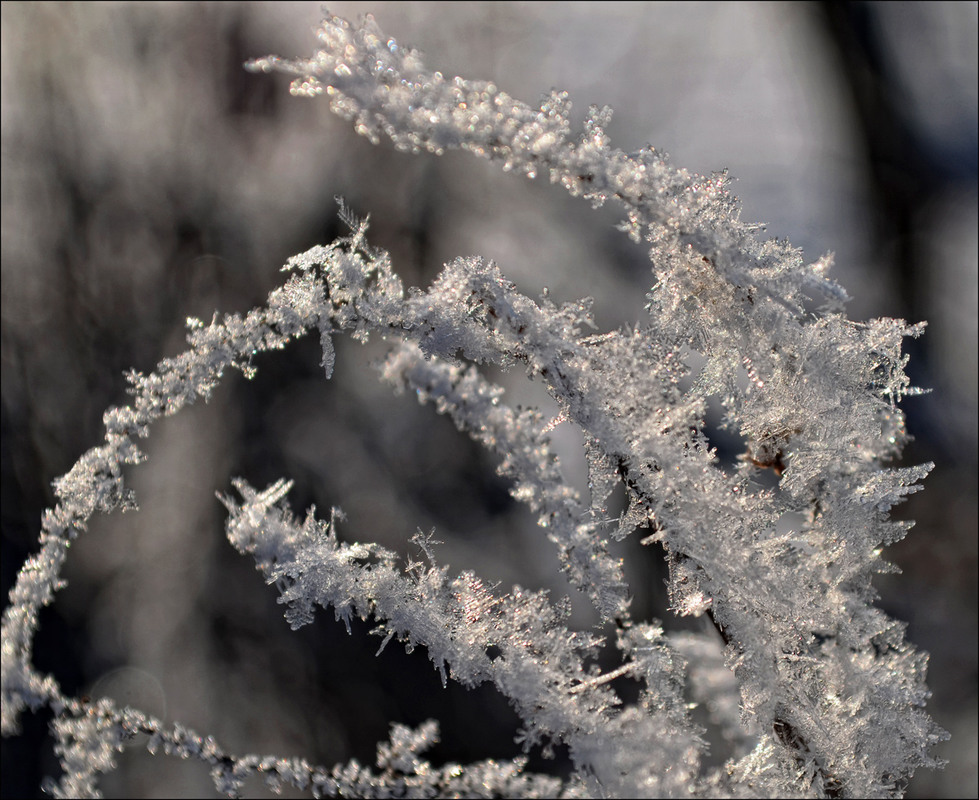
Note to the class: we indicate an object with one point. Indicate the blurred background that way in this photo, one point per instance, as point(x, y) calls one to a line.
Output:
point(146, 177)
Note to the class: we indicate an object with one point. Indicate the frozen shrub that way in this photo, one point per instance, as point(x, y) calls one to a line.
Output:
point(831, 694)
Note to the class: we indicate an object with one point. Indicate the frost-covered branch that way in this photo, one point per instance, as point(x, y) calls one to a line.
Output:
point(517, 642)
point(89, 737)
point(831, 694)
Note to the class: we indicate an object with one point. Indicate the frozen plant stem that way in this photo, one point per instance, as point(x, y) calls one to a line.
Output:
point(831, 694)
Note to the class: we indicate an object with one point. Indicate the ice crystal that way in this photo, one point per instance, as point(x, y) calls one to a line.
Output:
point(830, 691)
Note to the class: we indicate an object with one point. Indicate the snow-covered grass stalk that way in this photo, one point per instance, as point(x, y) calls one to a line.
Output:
point(831, 694)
